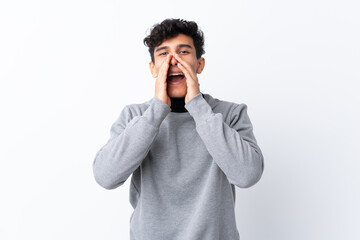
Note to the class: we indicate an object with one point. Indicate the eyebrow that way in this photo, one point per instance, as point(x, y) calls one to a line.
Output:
point(178, 46)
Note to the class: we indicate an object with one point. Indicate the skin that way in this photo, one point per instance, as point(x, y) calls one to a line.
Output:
point(175, 55)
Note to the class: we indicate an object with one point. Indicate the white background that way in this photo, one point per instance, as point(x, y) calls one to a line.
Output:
point(67, 69)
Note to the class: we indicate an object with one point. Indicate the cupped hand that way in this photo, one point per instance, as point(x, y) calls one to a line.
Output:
point(192, 81)
point(160, 82)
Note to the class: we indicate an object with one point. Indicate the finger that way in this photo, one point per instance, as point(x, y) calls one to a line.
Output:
point(185, 65)
point(188, 76)
point(164, 68)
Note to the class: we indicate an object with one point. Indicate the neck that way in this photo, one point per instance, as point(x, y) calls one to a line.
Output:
point(178, 104)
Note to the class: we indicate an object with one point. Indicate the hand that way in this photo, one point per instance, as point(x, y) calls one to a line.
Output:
point(191, 79)
point(161, 84)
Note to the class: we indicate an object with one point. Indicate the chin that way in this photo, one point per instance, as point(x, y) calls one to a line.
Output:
point(176, 94)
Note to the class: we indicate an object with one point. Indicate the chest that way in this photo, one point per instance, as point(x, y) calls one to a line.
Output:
point(178, 152)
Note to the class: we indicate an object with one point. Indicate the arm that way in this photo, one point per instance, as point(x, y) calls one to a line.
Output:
point(129, 143)
point(233, 148)
point(131, 139)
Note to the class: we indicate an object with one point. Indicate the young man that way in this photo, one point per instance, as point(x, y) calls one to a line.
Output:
point(185, 149)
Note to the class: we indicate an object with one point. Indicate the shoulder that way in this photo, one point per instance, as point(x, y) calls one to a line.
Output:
point(130, 111)
point(226, 107)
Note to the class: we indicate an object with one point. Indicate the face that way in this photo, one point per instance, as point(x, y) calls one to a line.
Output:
point(182, 45)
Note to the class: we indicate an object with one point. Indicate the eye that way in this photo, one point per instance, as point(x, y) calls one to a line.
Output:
point(184, 52)
point(163, 54)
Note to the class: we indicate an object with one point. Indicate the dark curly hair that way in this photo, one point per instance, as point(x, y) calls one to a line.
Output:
point(170, 28)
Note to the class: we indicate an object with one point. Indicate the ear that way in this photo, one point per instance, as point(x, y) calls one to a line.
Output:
point(153, 69)
point(201, 65)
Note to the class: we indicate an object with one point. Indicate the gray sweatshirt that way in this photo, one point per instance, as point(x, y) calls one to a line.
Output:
point(184, 166)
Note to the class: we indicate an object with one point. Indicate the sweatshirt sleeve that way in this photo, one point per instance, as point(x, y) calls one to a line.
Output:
point(129, 143)
point(233, 147)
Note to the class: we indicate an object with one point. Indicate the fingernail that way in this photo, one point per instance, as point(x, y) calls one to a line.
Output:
point(179, 64)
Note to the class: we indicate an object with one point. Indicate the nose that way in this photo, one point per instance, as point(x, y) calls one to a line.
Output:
point(173, 61)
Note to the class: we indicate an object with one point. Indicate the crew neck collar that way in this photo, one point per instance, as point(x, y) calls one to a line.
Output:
point(208, 98)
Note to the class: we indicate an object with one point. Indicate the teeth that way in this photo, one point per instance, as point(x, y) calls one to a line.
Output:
point(176, 74)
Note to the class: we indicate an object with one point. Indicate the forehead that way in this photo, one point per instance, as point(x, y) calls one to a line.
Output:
point(177, 40)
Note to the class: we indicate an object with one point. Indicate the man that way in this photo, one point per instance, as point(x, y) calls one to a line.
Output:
point(185, 149)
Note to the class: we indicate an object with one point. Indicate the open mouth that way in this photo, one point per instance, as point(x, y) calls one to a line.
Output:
point(175, 77)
